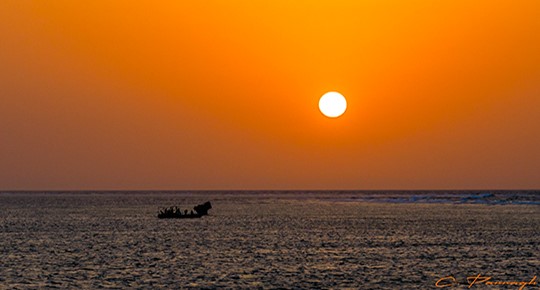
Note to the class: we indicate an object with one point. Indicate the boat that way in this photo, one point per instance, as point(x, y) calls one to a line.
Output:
point(176, 213)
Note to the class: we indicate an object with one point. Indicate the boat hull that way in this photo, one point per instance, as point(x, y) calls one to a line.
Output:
point(175, 216)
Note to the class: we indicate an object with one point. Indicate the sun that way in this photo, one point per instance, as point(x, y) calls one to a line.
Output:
point(332, 104)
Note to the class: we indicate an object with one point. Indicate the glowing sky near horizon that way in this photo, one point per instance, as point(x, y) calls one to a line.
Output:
point(224, 94)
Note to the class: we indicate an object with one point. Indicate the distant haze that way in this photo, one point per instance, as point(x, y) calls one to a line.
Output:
point(224, 94)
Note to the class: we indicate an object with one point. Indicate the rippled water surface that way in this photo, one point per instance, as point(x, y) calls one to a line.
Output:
point(266, 240)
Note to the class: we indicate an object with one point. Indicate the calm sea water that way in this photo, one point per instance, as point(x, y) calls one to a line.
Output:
point(359, 240)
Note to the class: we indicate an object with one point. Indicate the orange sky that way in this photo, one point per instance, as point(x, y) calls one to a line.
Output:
point(223, 94)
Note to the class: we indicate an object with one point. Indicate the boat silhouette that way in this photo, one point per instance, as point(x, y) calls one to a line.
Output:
point(176, 213)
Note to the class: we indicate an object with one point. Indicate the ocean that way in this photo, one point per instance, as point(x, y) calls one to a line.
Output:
point(271, 239)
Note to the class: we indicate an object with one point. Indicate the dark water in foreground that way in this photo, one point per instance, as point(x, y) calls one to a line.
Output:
point(268, 240)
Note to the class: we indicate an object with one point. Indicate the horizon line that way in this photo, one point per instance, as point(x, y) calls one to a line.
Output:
point(255, 190)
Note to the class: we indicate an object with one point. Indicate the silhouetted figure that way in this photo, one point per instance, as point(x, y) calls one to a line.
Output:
point(202, 209)
point(175, 212)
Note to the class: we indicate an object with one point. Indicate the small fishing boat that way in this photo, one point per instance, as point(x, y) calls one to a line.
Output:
point(176, 213)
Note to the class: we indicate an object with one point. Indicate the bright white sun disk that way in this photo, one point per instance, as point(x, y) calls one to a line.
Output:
point(333, 104)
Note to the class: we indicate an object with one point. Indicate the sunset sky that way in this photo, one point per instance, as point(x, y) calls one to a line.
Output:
point(224, 94)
